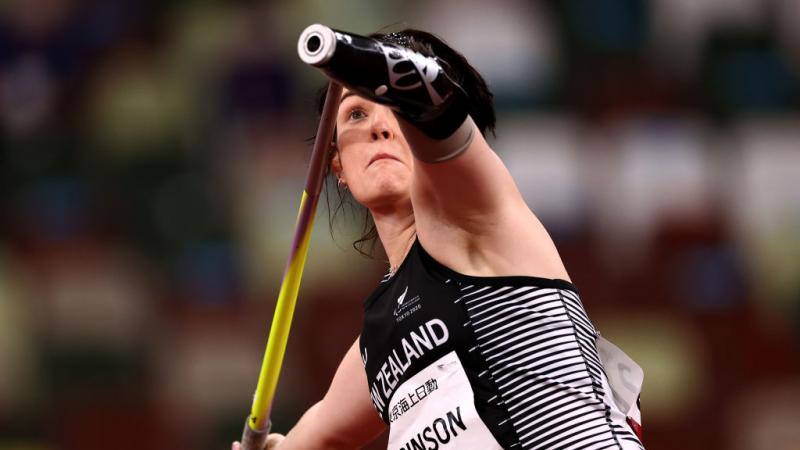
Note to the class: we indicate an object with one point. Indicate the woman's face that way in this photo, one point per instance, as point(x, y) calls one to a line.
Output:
point(372, 158)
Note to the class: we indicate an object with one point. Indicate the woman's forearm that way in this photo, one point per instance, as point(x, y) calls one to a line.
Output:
point(310, 433)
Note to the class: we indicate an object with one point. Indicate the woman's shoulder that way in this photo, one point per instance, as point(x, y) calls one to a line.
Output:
point(524, 249)
point(447, 273)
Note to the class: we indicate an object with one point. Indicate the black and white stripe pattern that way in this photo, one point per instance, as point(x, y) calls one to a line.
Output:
point(540, 349)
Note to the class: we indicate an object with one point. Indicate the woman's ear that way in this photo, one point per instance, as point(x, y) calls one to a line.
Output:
point(336, 162)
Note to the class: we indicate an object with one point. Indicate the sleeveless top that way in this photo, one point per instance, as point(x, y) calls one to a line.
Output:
point(463, 362)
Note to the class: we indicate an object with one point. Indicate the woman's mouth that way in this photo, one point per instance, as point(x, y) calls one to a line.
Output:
point(380, 156)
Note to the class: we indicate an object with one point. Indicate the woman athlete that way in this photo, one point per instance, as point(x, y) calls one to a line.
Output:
point(476, 339)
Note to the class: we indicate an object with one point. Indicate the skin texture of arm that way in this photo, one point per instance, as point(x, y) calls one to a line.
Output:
point(473, 202)
point(345, 418)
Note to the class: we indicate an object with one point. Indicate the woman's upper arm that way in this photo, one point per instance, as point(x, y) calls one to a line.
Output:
point(351, 419)
point(470, 192)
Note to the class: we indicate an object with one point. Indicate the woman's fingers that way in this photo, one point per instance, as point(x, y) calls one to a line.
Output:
point(273, 440)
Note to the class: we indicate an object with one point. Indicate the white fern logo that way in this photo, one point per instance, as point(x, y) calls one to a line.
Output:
point(402, 296)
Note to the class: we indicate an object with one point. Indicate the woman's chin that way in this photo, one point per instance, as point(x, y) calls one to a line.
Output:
point(385, 193)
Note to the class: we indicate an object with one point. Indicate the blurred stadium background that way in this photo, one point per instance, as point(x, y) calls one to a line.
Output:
point(153, 154)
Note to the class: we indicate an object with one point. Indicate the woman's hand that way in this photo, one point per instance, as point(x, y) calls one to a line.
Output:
point(272, 442)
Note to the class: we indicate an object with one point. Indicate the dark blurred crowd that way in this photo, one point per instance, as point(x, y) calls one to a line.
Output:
point(152, 157)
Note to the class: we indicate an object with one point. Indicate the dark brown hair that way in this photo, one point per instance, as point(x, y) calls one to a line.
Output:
point(456, 66)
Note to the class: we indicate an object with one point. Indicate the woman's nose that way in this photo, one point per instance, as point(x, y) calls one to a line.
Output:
point(381, 128)
point(384, 133)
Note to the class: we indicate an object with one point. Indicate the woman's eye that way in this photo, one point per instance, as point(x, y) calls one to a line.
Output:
point(356, 114)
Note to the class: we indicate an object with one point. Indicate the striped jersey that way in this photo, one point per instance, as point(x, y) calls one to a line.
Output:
point(462, 362)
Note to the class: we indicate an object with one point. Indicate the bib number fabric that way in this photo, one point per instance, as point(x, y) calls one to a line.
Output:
point(435, 409)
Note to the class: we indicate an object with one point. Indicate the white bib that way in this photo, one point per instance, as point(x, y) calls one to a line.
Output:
point(435, 409)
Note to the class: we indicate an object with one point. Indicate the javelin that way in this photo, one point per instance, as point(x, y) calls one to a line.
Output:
point(257, 427)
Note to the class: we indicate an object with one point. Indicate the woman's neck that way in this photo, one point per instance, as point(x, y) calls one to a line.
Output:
point(397, 231)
